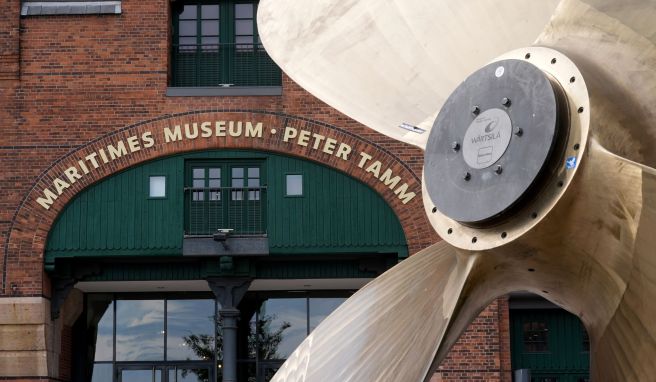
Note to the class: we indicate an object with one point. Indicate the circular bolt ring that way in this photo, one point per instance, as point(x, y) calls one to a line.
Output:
point(505, 101)
point(498, 170)
point(467, 176)
point(455, 146)
point(476, 110)
point(519, 131)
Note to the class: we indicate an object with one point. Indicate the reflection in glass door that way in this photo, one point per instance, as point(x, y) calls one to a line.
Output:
point(139, 374)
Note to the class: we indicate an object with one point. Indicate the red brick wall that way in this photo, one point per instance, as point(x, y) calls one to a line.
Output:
point(86, 80)
point(65, 356)
point(483, 351)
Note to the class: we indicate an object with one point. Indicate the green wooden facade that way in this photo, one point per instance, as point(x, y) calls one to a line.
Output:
point(552, 343)
point(116, 218)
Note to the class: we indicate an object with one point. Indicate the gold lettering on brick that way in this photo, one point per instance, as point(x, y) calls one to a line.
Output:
point(323, 145)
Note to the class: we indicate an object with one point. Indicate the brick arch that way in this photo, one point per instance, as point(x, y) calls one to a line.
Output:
point(25, 244)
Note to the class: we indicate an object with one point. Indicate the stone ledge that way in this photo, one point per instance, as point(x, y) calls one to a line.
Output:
point(24, 310)
point(24, 363)
point(22, 338)
point(48, 8)
point(218, 91)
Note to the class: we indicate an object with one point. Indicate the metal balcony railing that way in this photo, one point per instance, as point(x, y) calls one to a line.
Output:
point(240, 209)
point(223, 65)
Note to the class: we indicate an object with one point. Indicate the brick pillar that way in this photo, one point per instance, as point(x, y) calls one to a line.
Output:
point(504, 339)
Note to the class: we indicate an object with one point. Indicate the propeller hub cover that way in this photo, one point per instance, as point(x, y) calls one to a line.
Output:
point(492, 141)
point(486, 139)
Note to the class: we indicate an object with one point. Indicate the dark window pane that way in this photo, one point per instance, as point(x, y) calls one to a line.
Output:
point(253, 172)
point(244, 27)
point(244, 43)
point(210, 28)
point(128, 375)
point(237, 172)
point(199, 196)
point(294, 184)
point(282, 326)
point(188, 12)
point(190, 330)
point(215, 173)
point(187, 44)
point(192, 375)
point(244, 11)
point(102, 372)
point(209, 11)
point(210, 44)
point(535, 336)
point(320, 308)
point(139, 330)
point(187, 28)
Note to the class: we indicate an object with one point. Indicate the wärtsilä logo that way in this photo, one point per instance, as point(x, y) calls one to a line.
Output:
point(491, 125)
point(489, 130)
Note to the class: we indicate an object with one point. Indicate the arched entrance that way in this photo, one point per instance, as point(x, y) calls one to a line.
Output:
point(67, 179)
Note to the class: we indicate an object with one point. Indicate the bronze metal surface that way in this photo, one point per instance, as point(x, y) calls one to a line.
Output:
point(586, 241)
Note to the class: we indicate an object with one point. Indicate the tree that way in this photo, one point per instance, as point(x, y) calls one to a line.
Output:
point(264, 340)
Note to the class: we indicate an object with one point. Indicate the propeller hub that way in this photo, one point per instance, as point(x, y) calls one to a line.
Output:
point(510, 96)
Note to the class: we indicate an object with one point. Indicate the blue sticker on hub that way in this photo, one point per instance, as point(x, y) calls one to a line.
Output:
point(570, 163)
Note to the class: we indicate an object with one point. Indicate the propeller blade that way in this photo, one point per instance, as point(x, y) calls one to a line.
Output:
point(617, 272)
point(614, 46)
point(386, 63)
point(584, 241)
point(400, 316)
point(594, 254)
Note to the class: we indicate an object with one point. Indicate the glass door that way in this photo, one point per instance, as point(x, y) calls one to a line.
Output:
point(206, 208)
point(245, 208)
point(139, 374)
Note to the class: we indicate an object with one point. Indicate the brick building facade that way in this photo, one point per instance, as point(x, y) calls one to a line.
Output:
point(73, 84)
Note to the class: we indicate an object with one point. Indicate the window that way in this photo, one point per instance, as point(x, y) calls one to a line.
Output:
point(294, 185)
point(173, 337)
point(145, 339)
point(157, 187)
point(216, 44)
point(535, 336)
point(224, 194)
point(278, 325)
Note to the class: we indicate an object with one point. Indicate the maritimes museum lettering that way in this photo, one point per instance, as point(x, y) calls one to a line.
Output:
point(236, 129)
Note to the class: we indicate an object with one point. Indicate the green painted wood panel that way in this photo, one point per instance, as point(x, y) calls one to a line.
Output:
point(116, 217)
point(566, 357)
point(336, 214)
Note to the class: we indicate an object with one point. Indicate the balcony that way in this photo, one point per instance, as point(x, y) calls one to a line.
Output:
point(223, 66)
point(241, 211)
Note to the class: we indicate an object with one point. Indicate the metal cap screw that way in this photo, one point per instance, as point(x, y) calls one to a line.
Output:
point(505, 101)
point(519, 131)
point(498, 170)
point(475, 110)
point(467, 176)
point(455, 146)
